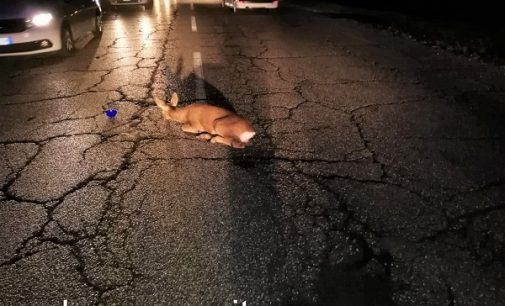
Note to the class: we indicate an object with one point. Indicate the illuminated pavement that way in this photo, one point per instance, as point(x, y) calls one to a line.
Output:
point(377, 176)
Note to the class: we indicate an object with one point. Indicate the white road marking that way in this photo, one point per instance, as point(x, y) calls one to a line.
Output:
point(198, 71)
point(192, 6)
point(193, 24)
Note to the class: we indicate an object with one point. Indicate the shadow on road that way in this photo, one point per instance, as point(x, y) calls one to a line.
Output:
point(255, 236)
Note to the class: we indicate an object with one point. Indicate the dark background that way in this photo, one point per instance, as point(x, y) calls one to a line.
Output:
point(458, 10)
point(474, 29)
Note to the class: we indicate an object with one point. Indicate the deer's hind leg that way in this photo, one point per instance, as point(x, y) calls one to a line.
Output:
point(221, 140)
point(227, 141)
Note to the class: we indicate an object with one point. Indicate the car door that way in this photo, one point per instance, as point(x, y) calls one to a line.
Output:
point(72, 14)
point(88, 11)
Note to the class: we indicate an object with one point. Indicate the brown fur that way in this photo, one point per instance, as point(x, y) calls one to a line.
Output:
point(210, 122)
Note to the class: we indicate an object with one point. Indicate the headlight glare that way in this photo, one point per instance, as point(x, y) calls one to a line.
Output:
point(41, 20)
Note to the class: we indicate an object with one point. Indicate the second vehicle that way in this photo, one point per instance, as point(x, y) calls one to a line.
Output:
point(251, 4)
point(148, 4)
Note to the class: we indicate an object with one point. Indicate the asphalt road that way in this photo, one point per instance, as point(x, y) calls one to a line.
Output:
point(377, 176)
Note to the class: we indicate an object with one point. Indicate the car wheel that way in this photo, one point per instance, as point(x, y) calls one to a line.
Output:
point(98, 26)
point(149, 5)
point(67, 42)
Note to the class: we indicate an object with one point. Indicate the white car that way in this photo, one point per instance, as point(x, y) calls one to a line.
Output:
point(148, 4)
point(250, 4)
point(40, 26)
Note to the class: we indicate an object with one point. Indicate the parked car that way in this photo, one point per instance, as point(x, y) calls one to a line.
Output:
point(40, 26)
point(250, 4)
point(148, 4)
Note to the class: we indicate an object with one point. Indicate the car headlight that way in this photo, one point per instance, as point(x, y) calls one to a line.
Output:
point(42, 19)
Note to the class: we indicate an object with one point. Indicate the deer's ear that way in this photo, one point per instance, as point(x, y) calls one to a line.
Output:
point(161, 104)
point(175, 99)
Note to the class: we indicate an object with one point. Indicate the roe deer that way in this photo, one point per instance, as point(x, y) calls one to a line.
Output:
point(210, 122)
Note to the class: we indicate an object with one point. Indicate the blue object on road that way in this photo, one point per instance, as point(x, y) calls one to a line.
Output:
point(111, 113)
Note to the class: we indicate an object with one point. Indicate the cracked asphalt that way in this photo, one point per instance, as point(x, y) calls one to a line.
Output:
point(377, 176)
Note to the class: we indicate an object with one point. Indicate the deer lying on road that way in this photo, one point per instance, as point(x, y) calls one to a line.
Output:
point(210, 122)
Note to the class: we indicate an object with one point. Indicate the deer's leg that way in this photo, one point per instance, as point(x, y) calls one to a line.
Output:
point(188, 128)
point(227, 141)
point(221, 140)
point(204, 136)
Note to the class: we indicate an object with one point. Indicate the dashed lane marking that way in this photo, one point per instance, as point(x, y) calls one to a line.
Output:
point(198, 70)
point(193, 24)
